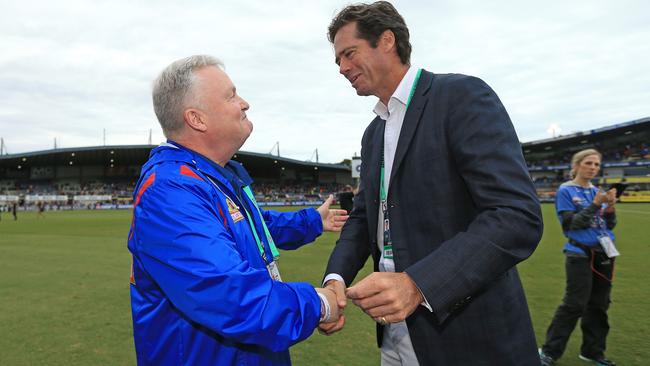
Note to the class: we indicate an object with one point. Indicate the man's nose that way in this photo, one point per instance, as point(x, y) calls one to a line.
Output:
point(344, 68)
point(244, 105)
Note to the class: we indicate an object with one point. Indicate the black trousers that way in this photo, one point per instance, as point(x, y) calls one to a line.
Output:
point(587, 298)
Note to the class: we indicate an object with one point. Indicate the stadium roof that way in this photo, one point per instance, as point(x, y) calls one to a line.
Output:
point(638, 125)
point(138, 154)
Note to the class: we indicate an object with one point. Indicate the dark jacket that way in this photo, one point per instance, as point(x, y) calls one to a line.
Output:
point(463, 213)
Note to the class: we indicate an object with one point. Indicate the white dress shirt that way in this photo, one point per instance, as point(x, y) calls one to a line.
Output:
point(397, 347)
point(393, 114)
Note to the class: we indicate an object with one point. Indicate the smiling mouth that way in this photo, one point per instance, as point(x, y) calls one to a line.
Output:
point(354, 79)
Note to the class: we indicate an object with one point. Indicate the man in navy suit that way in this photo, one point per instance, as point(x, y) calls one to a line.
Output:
point(446, 207)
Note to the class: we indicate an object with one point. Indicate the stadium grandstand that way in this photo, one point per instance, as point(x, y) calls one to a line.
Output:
point(104, 177)
point(625, 159)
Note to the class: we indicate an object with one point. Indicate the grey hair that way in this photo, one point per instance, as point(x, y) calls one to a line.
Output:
point(173, 88)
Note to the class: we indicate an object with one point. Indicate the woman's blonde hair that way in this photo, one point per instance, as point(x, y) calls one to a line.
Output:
point(580, 156)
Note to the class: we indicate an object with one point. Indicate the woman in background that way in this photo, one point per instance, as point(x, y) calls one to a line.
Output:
point(587, 215)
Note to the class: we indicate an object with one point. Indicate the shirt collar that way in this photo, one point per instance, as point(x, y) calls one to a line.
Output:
point(574, 184)
point(400, 95)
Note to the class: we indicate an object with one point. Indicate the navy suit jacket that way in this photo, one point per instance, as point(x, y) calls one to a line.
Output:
point(463, 213)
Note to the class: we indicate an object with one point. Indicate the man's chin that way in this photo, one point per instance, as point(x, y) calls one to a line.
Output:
point(362, 93)
point(242, 142)
point(248, 125)
point(250, 131)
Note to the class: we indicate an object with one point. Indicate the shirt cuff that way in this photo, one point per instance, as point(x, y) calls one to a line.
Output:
point(324, 308)
point(334, 276)
point(424, 302)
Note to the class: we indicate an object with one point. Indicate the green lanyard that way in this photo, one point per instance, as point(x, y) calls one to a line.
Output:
point(269, 238)
point(260, 246)
point(382, 190)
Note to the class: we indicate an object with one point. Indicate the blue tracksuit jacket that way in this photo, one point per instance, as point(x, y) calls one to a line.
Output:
point(200, 290)
point(572, 197)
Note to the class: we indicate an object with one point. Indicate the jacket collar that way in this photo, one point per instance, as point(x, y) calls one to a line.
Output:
point(401, 94)
point(233, 173)
point(412, 119)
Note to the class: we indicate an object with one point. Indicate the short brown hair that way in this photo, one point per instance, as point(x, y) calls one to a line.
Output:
point(372, 20)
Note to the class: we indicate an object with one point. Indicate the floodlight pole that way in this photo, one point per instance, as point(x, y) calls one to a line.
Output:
point(276, 145)
point(314, 153)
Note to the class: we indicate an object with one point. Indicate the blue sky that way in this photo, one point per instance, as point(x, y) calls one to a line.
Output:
point(71, 69)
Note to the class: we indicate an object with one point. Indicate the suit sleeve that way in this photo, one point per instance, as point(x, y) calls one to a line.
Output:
point(291, 230)
point(507, 226)
point(185, 247)
point(353, 247)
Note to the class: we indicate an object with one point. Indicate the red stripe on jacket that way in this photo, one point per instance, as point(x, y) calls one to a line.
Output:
point(144, 187)
point(185, 170)
point(147, 183)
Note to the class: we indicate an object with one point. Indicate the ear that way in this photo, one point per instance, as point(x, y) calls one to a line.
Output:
point(195, 119)
point(387, 40)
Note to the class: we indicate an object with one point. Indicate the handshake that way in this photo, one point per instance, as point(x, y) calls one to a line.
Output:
point(387, 297)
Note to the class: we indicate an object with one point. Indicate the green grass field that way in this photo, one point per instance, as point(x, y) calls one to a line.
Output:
point(64, 297)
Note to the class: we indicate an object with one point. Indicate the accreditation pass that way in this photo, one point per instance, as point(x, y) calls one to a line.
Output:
point(274, 271)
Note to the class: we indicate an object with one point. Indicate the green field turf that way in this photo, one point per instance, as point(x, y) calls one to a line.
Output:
point(64, 296)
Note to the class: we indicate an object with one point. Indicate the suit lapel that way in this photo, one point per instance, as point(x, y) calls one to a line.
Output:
point(411, 120)
point(373, 165)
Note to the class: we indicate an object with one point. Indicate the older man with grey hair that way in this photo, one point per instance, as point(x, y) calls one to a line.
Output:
point(205, 284)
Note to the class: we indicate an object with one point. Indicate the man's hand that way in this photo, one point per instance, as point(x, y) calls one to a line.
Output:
point(338, 288)
point(387, 297)
point(333, 219)
point(334, 311)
